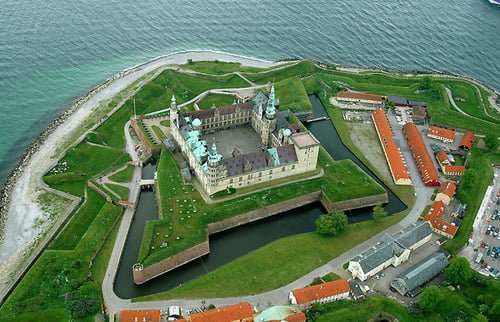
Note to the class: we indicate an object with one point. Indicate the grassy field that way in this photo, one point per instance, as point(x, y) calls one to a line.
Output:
point(60, 284)
point(186, 214)
point(159, 133)
point(123, 176)
point(96, 160)
point(217, 67)
point(275, 265)
point(302, 69)
point(120, 190)
point(215, 99)
point(292, 95)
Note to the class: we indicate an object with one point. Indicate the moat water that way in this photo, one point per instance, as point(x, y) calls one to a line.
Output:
point(52, 52)
point(231, 244)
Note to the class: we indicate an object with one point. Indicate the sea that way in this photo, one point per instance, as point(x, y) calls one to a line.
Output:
point(52, 52)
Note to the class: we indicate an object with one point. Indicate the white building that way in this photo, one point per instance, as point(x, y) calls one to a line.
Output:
point(321, 293)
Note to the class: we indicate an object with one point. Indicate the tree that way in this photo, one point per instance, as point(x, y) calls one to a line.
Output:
point(459, 271)
point(479, 318)
point(429, 299)
point(190, 61)
point(379, 212)
point(332, 224)
point(425, 84)
point(467, 182)
point(491, 142)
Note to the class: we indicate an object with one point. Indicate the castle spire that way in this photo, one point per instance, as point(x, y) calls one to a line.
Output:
point(271, 102)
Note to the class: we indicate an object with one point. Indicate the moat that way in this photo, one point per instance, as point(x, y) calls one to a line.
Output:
point(229, 245)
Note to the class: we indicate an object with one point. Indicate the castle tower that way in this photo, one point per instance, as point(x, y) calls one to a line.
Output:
point(213, 162)
point(138, 273)
point(174, 112)
point(269, 120)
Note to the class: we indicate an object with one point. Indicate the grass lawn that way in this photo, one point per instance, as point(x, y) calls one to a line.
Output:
point(186, 214)
point(301, 69)
point(123, 176)
point(96, 160)
point(60, 281)
point(217, 67)
point(216, 99)
point(292, 95)
point(165, 123)
point(275, 265)
point(120, 190)
point(159, 133)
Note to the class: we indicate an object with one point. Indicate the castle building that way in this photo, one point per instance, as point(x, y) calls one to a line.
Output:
point(282, 150)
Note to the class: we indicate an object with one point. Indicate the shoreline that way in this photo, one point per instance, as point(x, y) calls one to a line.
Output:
point(16, 218)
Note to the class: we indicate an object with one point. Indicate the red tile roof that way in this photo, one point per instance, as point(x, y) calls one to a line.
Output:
point(448, 188)
point(392, 153)
point(424, 163)
point(316, 292)
point(434, 218)
point(235, 312)
point(359, 96)
point(467, 140)
point(140, 316)
point(442, 156)
point(441, 133)
point(452, 169)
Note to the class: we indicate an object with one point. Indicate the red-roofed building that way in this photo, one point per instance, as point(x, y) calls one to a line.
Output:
point(358, 97)
point(441, 134)
point(140, 316)
point(393, 155)
point(446, 192)
point(442, 158)
point(427, 170)
point(467, 141)
point(454, 170)
point(237, 312)
point(438, 224)
point(322, 293)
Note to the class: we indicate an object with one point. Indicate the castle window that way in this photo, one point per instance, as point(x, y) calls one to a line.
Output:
point(270, 171)
point(240, 179)
point(283, 169)
point(260, 174)
point(293, 166)
point(231, 181)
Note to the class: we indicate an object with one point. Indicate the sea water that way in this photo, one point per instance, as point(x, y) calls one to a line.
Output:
point(52, 52)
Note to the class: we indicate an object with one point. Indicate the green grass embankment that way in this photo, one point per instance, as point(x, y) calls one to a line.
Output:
point(123, 176)
point(216, 100)
point(60, 283)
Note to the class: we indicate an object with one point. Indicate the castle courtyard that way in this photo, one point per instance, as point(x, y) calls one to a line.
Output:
point(241, 138)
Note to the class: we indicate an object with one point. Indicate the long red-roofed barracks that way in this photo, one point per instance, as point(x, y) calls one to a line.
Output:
point(427, 170)
point(393, 156)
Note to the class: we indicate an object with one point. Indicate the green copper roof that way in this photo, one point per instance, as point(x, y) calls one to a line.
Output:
point(274, 313)
point(196, 122)
point(271, 102)
point(287, 132)
point(214, 155)
point(275, 155)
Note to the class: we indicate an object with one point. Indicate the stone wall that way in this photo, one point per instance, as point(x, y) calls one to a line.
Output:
point(149, 272)
point(172, 262)
point(353, 203)
point(262, 213)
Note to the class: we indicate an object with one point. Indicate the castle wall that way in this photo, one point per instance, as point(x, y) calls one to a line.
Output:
point(170, 263)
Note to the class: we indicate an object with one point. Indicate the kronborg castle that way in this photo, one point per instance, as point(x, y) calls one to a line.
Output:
point(273, 148)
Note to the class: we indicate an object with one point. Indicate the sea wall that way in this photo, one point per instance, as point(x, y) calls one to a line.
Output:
point(147, 273)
